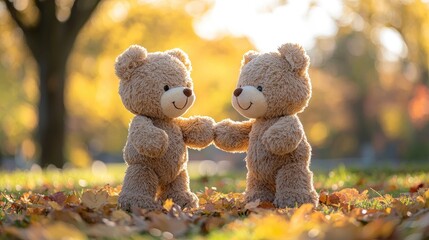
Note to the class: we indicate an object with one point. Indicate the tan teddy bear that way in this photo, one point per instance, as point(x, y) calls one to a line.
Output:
point(272, 88)
point(157, 88)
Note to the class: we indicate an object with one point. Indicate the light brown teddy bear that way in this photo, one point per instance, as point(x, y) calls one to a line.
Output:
point(272, 88)
point(157, 88)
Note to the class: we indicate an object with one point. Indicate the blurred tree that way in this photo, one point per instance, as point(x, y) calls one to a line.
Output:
point(381, 48)
point(353, 59)
point(50, 29)
point(408, 18)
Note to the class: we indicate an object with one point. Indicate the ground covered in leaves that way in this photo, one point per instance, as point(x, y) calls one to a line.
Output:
point(353, 205)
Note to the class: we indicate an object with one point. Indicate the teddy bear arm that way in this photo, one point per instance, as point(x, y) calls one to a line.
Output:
point(284, 136)
point(197, 131)
point(232, 136)
point(147, 139)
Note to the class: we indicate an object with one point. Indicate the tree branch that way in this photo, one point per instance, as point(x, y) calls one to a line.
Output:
point(79, 15)
point(15, 15)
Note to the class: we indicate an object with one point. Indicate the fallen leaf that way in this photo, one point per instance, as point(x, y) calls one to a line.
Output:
point(58, 197)
point(416, 188)
point(168, 204)
point(62, 230)
point(72, 199)
point(94, 200)
point(121, 216)
point(55, 205)
point(165, 223)
point(266, 205)
point(323, 197)
point(252, 205)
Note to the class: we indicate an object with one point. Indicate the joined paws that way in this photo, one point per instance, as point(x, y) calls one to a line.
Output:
point(198, 132)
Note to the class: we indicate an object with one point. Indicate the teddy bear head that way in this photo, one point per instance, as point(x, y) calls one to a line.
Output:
point(273, 84)
point(156, 85)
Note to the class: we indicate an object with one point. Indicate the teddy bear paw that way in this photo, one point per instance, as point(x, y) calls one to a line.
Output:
point(293, 199)
point(262, 196)
point(185, 199)
point(128, 202)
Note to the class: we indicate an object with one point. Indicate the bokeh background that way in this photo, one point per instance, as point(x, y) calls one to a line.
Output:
point(58, 92)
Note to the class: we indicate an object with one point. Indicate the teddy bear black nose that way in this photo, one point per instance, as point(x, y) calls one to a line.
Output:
point(237, 92)
point(187, 92)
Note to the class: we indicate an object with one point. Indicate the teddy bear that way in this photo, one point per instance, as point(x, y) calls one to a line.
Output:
point(272, 89)
point(157, 88)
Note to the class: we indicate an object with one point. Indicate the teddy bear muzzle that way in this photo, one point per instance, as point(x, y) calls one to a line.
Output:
point(176, 101)
point(249, 102)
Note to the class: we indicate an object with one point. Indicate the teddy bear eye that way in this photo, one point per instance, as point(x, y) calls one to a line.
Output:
point(259, 88)
point(166, 88)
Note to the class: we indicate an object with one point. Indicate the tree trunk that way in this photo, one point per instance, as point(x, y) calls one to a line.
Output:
point(52, 113)
point(51, 41)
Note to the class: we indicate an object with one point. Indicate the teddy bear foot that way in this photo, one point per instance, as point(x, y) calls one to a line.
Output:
point(183, 199)
point(294, 199)
point(262, 196)
point(128, 202)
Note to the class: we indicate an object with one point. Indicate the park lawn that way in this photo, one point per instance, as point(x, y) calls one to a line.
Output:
point(82, 203)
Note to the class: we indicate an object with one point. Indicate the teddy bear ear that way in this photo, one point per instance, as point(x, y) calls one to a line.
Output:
point(296, 56)
point(247, 57)
point(129, 60)
point(182, 56)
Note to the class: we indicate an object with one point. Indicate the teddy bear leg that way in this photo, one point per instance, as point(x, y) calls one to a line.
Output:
point(294, 186)
point(179, 192)
point(258, 189)
point(139, 188)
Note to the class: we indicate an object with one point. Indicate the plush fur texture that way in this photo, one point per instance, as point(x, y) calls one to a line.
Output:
point(156, 151)
point(278, 154)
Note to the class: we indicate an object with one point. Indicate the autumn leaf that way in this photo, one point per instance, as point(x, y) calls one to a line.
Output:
point(168, 204)
point(121, 216)
point(93, 199)
point(55, 205)
point(416, 188)
point(167, 224)
point(58, 197)
point(252, 205)
point(61, 230)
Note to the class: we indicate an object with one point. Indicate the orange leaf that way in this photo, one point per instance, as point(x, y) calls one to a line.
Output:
point(168, 204)
point(416, 188)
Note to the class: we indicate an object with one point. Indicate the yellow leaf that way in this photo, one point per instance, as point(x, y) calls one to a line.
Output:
point(168, 204)
point(120, 215)
point(113, 199)
point(61, 230)
point(203, 201)
point(271, 227)
point(301, 212)
point(93, 199)
point(55, 205)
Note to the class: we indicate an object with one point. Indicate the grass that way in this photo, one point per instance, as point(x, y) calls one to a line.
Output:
point(383, 181)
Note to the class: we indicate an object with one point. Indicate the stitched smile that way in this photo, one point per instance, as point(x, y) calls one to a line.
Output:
point(242, 107)
point(174, 104)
